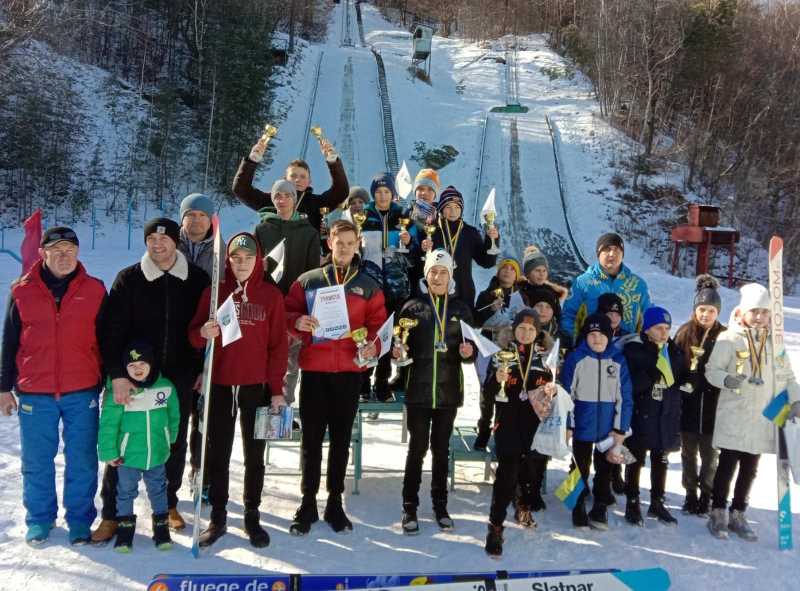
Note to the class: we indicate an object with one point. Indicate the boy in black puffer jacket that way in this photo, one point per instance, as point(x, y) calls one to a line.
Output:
point(654, 362)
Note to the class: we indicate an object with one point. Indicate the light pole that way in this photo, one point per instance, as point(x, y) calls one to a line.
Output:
point(291, 28)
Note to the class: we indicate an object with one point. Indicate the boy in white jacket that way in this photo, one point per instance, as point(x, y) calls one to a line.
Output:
point(741, 432)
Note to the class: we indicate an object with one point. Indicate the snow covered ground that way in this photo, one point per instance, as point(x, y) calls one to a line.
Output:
point(348, 108)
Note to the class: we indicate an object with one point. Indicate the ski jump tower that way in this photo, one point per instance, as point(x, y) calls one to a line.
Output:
point(421, 51)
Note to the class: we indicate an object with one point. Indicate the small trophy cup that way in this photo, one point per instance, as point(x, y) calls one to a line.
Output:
point(359, 219)
point(505, 358)
point(406, 324)
point(403, 225)
point(430, 230)
point(269, 132)
point(316, 131)
point(323, 226)
point(741, 356)
point(697, 353)
point(360, 337)
point(498, 294)
point(489, 216)
point(342, 206)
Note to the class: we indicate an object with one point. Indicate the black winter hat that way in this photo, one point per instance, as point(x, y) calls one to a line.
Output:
point(139, 350)
point(610, 302)
point(610, 239)
point(163, 226)
point(597, 323)
point(57, 234)
point(707, 292)
point(546, 295)
point(528, 316)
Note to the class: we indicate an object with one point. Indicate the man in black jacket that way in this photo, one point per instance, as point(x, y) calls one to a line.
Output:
point(153, 300)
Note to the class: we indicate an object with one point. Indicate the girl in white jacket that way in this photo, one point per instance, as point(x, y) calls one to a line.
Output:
point(741, 432)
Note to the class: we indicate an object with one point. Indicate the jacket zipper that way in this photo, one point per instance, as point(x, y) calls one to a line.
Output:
point(57, 367)
point(599, 377)
point(435, 363)
point(166, 325)
point(147, 421)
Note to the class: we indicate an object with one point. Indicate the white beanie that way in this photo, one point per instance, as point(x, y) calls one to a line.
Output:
point(438, 258)
point(754, 296)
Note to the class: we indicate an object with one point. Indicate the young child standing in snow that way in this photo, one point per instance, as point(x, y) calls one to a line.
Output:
point(136, 438)
point(741, 432)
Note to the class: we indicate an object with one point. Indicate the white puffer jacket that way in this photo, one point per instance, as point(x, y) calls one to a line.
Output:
point(740, 424)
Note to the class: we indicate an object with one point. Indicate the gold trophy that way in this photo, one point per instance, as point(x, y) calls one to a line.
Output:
point(489, 216)
point(661, 384)
point(741, 356)
point(406, 324)
point(403, 225)
point(498, 293)
point(316, 131)
point(697, 353)
point(360, 337)
point(359, 219)
point(269, 132)
point(505, 358)
point(323, 226)
point(342, 206)
point(430, 230)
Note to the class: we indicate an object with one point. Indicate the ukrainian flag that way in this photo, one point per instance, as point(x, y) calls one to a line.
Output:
point(778, 409)
point(571, 489)
point(665, 366)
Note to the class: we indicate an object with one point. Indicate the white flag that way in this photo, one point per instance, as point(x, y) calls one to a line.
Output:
point(277, 254)
point(485, 346)
point(552, 359)
point(385, 336)
point(515, 302)
point(403, 182)
point(228, 322)
point(488, 207)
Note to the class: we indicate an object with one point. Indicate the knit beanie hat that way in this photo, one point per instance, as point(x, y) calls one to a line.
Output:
point(243, 241)
point(429, 178)
point(597, 323)
point(197, 202)
point(754, 296)
point(163, 226)
point(610, 239)
point(284, 186)
point(450, 195)
point(533, 258)
point(527, 316)
point(707, 292)
point(509, 261)
point(141, 350)
point(382, 179)
point(357, 192)
point(653, 316)
point(438, 258)
point(610, 302)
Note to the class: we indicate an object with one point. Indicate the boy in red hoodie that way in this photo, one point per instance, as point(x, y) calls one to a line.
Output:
point(247, 373)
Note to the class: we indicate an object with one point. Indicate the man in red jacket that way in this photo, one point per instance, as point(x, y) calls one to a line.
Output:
point(330, 382)
point(50, 353)
point(247, 374)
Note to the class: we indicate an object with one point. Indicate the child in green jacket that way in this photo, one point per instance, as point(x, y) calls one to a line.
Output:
point(136, 437)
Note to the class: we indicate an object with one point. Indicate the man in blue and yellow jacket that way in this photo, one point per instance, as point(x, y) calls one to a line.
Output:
point(608, 275)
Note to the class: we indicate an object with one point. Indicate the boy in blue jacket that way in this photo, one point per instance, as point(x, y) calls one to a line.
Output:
point(596, 376)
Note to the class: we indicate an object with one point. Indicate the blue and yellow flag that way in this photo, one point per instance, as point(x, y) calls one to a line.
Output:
point(665, 367)
point(571, 489)
point(778, 409)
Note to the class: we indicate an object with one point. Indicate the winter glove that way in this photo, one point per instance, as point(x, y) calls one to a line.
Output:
point(794, 411)
point(733, 381)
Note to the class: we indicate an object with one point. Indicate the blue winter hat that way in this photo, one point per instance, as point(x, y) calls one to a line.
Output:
point(382, 179)
point(198, 202)
point(655, 315)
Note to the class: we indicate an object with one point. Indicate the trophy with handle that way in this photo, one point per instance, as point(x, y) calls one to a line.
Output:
point(323, 225)
point(316, 131)
point(406, 324)
point(359, 219)
point(505, 358)
point(741, 356)
point(490, 216)
point(360, 337)
point(403, 224)
point(697, 353)
point(430, 230)
point(269, 132)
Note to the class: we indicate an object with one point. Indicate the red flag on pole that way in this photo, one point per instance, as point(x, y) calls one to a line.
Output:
point(33, 238)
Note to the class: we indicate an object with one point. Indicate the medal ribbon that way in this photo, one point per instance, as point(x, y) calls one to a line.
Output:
point(348, 277)
point(385, 229)
point(299, 200)
point(757, 356)
point(440, 318)
point(705, 336)
point(527, 369)
point(452, 241)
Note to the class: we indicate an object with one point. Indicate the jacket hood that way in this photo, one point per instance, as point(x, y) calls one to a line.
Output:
point(258, 270)
point(269, 215)
point(735, 324)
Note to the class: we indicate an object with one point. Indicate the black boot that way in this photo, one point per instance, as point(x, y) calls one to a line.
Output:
point(598, 517)
point(259, 538)
point(579, 519)
point(383, 393)
point(442, 517)
point(335, 517)
point(494, 541)
point(161, 537)
point(703, 509)
point(482, 440)
point(126, 527)
point(690, 503)
point(617, 482)
point(410, 523)
point(215, 530)
point(304, 518)
point(658, 510)
point(366, 389)
point(633, 512)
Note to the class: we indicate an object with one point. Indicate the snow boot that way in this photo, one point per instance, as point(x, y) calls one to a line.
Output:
point(494, 542)
point(304, 518)
point(104, 532)
point(522, 515)
point(703, 505)
point(259, 538)
point(217, 528)
point(658, 510)
point(335, 517)
point(383, 393)
point(598, 517)
point(690, 503)
point(80, 534)
point(482, 440)
point(409, 522)
point(739, 525)
point(617, 481)
point(579, 519)
point(633, 512)
point(718, 524)
point(161, 537)
point(126, 527)
point(176, 522)
point(38, 533)
point(442, 517)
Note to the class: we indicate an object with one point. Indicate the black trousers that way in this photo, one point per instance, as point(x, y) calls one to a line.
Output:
point(175, 463)
point(513, 477)
point(383, 371)
point(428, 428)
point(327, 401)
point(487, 411)
point(658, 473)
point(748, 468)
point(584, 451)
point(223, 406)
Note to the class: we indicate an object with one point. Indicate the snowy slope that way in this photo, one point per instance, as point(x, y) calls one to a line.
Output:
point(435, 114)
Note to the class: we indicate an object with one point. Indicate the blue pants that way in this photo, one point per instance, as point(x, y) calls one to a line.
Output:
point(39, 416)
point(155, 480)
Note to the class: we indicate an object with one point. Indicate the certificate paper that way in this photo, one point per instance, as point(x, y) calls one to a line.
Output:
point(329, 306)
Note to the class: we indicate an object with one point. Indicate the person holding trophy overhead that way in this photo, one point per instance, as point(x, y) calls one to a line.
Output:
point(325, 308)
point(435, 346)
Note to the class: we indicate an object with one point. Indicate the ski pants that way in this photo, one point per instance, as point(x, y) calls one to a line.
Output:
point(748, 468)
point(584, 452)
point(428, 428)
point(511, 473)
